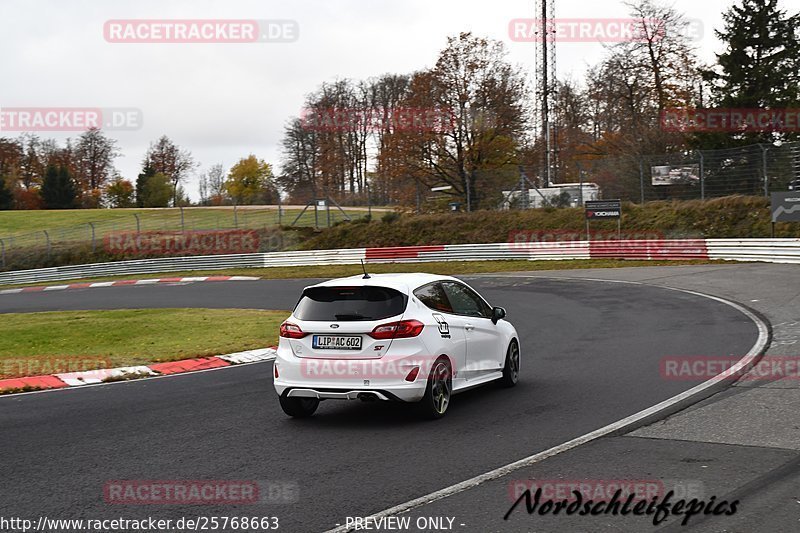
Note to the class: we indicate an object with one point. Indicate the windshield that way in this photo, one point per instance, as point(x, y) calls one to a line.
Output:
point(339, 304)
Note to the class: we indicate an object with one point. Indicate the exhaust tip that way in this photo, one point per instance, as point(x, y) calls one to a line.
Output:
point(367, 397)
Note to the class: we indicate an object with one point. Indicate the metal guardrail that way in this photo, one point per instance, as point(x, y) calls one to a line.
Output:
point(766, 250)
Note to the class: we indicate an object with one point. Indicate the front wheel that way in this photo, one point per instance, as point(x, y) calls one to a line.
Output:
point(299, 407)
point(511, 368)
point(438, 391)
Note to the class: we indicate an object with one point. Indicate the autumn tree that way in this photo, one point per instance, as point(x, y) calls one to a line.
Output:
point(10, 156)
point(478, 100)
point(120, 193)
point(390, 183)
point(640, 78)
point(250, 181)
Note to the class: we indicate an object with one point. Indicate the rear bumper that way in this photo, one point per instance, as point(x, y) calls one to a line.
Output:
point(340, 395)
point(328, 380)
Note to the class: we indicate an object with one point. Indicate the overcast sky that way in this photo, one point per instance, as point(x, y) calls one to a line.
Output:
point(224, 101)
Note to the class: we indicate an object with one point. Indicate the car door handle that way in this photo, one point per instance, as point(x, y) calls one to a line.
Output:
point(469, 327)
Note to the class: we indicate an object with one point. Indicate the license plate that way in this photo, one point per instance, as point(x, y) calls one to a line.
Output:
point(336, 342)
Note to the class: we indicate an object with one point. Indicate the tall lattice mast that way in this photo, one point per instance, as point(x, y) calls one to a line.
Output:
point(545, 87)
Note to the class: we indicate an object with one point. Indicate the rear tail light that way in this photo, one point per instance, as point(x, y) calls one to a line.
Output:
point(292, 331)
point(397, 330)
point(275, 369)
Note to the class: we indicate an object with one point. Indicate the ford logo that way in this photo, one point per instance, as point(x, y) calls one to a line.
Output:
point(334, 326)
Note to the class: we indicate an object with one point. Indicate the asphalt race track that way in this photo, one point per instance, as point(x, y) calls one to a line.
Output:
point(591, 354)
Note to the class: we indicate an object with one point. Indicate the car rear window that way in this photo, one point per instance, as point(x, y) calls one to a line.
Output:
point(339, 304)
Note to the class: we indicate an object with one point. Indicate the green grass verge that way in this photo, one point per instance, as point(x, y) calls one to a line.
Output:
point(129, 337)
point(450, 268)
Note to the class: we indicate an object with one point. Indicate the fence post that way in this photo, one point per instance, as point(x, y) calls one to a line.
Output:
point(235, 217)
point(2, 254)
point(183, 227)
point(280, 215)
point(702, 176)
point(91, 225)
point(138, 224)
point(764, 150)
point(47, 238)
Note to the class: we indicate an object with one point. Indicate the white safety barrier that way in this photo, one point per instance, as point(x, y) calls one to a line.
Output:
point(767, 250)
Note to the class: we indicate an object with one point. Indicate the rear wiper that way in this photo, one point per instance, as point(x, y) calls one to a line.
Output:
point(352, 316)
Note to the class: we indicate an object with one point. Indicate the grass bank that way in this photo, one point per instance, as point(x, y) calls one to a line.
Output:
point(129, 336)
point(720, 218)
point(59, 221)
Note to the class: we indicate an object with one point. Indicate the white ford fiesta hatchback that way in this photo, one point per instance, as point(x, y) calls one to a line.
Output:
point(404, 337)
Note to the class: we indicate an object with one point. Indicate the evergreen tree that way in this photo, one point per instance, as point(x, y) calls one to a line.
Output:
point(6, 198)
point(156, 191)
point(760, 67)
point(141, 183)
point(59, 190)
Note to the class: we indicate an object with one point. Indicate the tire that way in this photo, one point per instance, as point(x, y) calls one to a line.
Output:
point(511, 366)
point(438, 391)
point(299, 407)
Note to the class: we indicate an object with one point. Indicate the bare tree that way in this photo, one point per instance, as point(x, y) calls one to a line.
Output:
point(299, 161)
point(93, 159)
point(32, 165)
point(167, 158)
point(212, 185)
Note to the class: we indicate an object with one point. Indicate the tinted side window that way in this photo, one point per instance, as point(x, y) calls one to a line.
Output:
point(434, 297)
point(466, 301)
point(350, 303)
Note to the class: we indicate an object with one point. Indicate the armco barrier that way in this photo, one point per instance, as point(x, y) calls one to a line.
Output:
point(768, 250)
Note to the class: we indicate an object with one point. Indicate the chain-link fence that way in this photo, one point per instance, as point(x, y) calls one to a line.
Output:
point(754, 170)
point(157, 232)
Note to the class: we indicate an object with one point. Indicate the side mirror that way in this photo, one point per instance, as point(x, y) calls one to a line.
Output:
point(497, 314)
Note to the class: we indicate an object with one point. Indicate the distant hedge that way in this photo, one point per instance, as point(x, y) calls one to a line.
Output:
point(728, 217)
